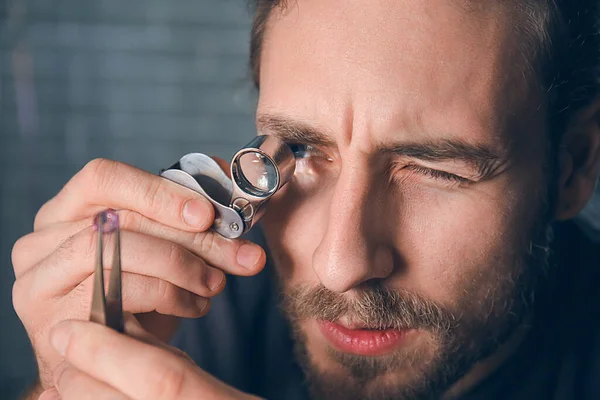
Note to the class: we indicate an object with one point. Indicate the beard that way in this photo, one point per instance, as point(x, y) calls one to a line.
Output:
point(457, 338)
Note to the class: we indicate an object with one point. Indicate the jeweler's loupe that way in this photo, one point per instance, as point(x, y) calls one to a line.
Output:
point(258, 171)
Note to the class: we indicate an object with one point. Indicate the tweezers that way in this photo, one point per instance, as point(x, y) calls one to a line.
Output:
point(107, 308)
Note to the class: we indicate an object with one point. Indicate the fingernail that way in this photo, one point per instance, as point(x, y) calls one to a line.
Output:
point(59, 338)
point(248, 255)
point(201, 303)
point(196, 214)
point(49, 394)
point(213, 278)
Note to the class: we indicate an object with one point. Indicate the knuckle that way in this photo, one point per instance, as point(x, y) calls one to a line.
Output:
point(28, 299)
point(97, 174)
point(180, 353)
point(42, 215)
point(98, 167)
point(130, 220)
point(153, 196)
point(19, 298)
point(38, 219)
point(164, 291)
point(206, 242)
point(178, 256)
point(28, 288)
point(19, 249)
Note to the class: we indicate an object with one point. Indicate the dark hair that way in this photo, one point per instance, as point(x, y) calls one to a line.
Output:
point(564, 54)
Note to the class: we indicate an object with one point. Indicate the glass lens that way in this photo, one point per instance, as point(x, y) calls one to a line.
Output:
point(259, 172)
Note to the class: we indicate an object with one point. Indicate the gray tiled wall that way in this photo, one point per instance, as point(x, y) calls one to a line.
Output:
point(141, 81)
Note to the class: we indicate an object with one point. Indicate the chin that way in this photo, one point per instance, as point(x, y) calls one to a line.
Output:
point(404, 372)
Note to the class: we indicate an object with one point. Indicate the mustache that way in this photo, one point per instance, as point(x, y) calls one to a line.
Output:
point(376, 307)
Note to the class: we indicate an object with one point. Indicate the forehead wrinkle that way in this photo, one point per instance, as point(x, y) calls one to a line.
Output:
point(371, 84)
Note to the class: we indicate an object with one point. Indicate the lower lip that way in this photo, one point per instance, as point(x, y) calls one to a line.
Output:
point(364, 342)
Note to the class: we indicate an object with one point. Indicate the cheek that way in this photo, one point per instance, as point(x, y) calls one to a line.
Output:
point(455, 244)
point(449, 245)
point(294, 224)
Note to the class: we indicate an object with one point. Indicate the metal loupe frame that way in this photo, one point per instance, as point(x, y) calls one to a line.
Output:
point(246, 199)
point(238, 204)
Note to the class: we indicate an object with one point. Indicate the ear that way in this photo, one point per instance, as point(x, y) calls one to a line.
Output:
point(579, 162)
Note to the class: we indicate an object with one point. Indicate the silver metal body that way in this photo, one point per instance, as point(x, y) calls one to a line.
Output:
point(239, 202)
point(202, 174)
point(107, 307)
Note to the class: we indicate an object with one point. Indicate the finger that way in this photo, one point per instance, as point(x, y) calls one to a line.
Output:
point(234, 256)
point(140, 254)
point(141, 294)
point(144, 371)
point(109, 184)
point(30, 249)
point(50, 394)
point(144, 294)
point(134, 329)
point(72, 384)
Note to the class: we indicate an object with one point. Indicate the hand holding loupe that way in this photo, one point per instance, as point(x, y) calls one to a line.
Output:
point(258, 171)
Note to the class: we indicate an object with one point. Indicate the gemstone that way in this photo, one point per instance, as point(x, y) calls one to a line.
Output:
point(107, 221)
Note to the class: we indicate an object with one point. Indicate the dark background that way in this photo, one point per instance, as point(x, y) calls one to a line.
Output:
point(140, 81)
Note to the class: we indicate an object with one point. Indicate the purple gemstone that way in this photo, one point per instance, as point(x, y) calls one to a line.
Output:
point(107, 221)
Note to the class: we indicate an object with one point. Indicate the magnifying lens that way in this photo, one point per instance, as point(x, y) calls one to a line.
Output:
point(258, 171)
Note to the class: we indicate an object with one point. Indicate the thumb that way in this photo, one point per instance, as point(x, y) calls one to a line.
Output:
point(134, 329)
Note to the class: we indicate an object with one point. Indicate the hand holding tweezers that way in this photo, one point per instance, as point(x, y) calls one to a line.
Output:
point(107, 308)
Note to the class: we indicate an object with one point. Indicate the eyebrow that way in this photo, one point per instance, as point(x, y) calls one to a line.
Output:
point(483, 159)
point(292, 131)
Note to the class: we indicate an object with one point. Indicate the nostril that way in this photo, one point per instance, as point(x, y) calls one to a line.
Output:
point(342, 268)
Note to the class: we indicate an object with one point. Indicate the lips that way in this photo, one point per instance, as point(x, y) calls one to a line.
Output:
point(360, 340)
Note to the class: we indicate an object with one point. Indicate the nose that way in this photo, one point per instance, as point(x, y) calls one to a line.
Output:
point(353, 249)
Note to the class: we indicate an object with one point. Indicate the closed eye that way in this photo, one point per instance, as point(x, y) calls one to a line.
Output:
point(305, 152)
point(437, 174)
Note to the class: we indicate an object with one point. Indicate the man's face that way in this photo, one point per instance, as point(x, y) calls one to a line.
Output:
point(404, 241)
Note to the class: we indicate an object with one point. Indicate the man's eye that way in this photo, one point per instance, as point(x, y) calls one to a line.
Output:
point(436, 174)
point(302, 151)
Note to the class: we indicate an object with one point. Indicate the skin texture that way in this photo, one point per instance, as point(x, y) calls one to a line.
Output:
point(171, 266)
point(356, 217)
point(367, 75)
point(148, 369)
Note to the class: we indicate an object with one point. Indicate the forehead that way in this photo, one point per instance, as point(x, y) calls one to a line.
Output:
point(393, 64)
